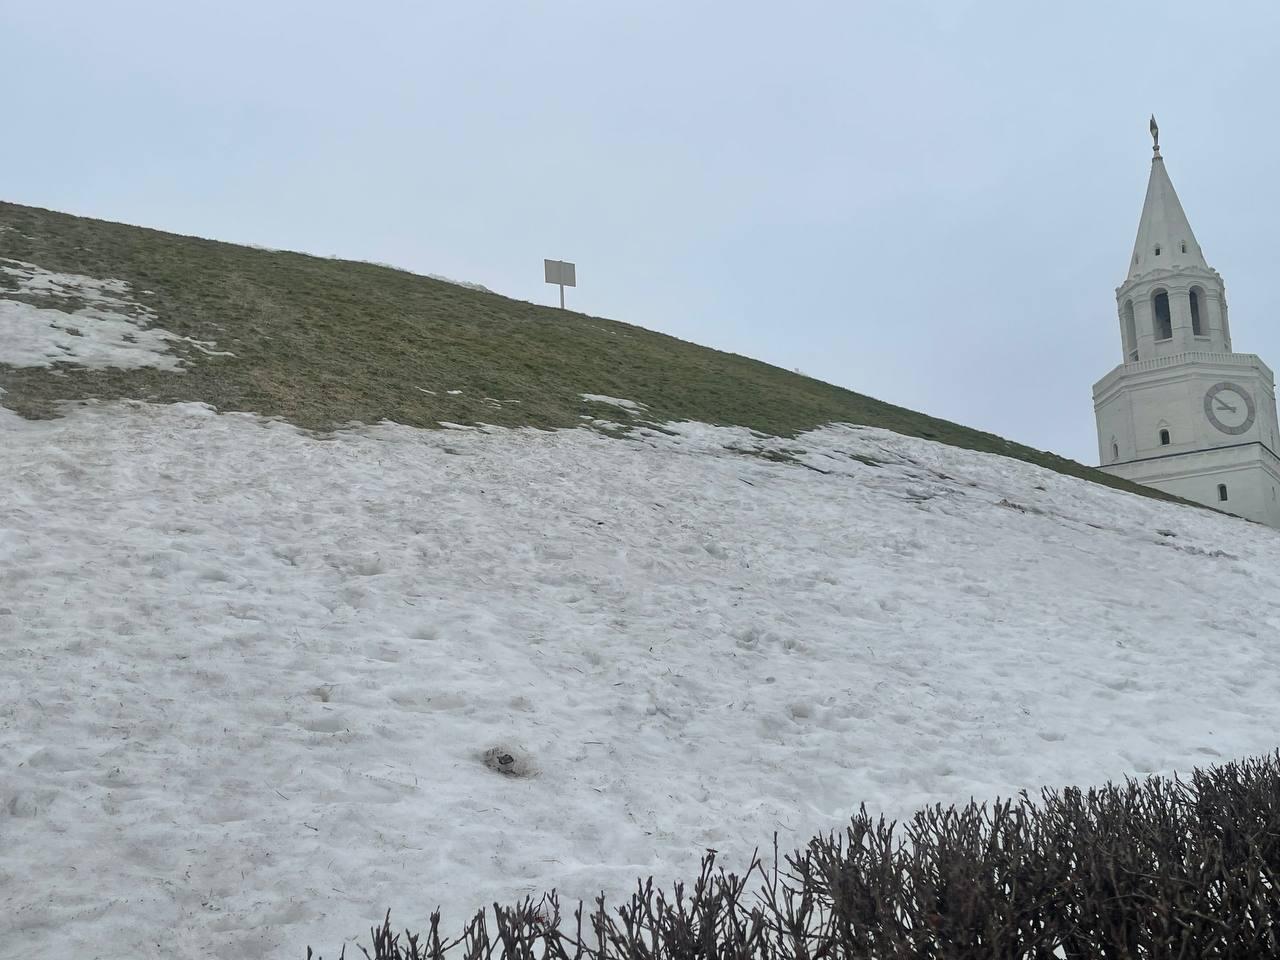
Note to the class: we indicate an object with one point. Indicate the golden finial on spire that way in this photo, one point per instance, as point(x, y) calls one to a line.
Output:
point(1155, 135)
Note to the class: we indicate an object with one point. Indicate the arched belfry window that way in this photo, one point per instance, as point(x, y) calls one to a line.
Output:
point(1163, 320)
point(1115, 451)
point(1164, 438)
point(1222, 492)
point(1130, 333)
point(1197, 325)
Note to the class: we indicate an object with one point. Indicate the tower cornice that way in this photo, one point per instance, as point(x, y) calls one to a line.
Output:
point(1170, 276)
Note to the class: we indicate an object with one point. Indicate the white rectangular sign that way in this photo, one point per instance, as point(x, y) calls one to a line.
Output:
point(561, 272)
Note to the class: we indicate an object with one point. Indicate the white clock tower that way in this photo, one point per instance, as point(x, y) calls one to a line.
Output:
point(1182, 413)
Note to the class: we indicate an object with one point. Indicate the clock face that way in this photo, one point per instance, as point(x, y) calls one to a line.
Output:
point(1229, 407)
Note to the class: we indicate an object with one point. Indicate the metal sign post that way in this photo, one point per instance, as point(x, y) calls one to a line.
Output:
point(562, 273)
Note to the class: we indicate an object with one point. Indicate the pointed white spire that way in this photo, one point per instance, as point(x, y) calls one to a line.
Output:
point(1165, 240)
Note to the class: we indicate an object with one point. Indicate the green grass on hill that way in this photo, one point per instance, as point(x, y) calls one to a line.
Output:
point(324, 342)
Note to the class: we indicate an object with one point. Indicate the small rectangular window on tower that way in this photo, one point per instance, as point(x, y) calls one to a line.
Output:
point(1222, 492)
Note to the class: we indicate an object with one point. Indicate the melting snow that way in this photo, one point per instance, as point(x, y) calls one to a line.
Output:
point(252, 679)
point(613, 401)
point(460, 283)
point(111, 329)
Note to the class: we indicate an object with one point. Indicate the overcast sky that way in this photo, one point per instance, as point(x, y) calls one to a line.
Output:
point(928, 202)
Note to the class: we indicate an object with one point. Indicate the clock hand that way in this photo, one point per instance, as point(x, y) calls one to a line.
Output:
point(1225, 406)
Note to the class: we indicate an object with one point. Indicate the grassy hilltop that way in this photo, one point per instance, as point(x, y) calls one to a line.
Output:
point(323, 342)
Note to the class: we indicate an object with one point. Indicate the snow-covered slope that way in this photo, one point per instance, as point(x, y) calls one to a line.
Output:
point(249, 676)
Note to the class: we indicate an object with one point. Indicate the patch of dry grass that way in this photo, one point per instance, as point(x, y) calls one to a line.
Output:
point(324, 342)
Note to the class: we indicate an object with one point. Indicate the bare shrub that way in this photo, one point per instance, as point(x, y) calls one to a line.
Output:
point(1152, 868)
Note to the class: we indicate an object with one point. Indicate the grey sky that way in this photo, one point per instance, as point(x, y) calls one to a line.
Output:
point(930, 203)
